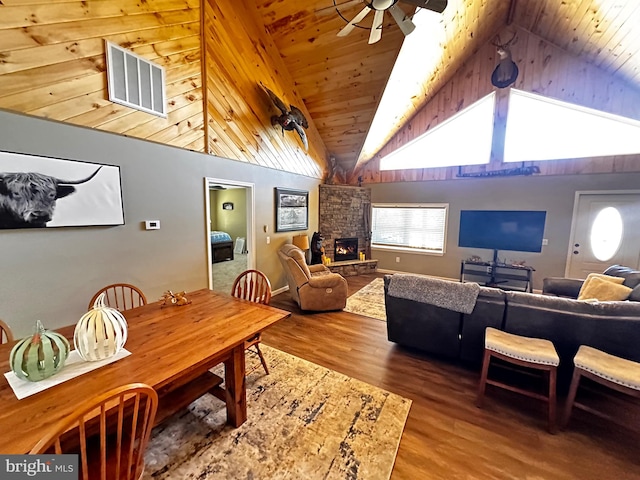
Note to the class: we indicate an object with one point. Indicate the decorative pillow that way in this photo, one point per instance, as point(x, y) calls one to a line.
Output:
point(608, 278)
point(604, 290)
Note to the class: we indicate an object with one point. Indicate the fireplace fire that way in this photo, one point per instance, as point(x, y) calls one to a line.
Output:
point(345, 249)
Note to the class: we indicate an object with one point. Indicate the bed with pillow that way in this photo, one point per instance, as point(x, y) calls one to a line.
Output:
point(221, 246)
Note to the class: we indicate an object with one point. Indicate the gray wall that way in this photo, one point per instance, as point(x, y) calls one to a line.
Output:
point(51, 274)
point(555, 194)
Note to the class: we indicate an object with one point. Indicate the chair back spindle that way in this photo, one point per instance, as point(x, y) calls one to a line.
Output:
point(6, 336)
point(109, 433)
point(252, 285)
point(121, 296)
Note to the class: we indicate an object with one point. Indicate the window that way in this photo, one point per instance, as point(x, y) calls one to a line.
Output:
point(541, 128)
point(464, 139)
point(414, 227)
point(405, 82)
point(134, 81)
point(606, 233)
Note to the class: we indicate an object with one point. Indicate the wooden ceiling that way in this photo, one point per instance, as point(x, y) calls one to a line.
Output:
point(341, 79)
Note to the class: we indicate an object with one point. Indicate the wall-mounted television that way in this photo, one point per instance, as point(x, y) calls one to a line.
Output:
point(516, 230)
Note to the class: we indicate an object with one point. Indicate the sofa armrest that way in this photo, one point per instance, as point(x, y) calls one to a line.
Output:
point(323, 293)
point(630, 275)
point(562, 287)
point(317, 268)
point(326, 281)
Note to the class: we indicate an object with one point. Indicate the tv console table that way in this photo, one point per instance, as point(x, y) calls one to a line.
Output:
point(498, 275)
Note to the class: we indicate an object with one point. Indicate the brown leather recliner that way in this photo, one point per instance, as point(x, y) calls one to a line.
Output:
point(313, 287)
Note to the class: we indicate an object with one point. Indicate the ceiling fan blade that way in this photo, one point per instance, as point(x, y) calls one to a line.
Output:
point(404, 22)
point(376, 28)
point(352, 24)
point(434, 5)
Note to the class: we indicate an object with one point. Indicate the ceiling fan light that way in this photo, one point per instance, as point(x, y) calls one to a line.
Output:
point(382, 4)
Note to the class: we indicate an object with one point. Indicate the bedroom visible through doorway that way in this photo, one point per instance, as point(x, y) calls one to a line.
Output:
point(229, 231)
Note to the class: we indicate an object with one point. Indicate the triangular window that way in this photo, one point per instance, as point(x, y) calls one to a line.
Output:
point(464, 139)
point(540, 128)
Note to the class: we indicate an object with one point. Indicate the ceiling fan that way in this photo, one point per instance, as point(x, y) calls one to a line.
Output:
point(381, 6)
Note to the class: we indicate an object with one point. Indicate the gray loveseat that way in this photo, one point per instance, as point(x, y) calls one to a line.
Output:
point(613, 327)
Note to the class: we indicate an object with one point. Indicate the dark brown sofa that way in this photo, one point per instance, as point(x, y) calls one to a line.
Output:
point(613, 327)
point(439, 330)
point(570, 287)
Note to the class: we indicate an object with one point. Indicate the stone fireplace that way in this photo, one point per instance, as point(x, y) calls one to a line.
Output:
point(341, 217)
point(345, 249)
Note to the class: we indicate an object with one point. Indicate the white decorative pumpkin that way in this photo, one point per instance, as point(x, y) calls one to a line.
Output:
point(101, 332)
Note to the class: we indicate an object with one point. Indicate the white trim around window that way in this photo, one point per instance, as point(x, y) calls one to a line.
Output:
point(410, 227)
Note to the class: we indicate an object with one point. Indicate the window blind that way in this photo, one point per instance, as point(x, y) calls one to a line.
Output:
point(420, 227)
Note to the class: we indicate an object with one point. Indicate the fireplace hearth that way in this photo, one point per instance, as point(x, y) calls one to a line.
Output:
point(345, 249)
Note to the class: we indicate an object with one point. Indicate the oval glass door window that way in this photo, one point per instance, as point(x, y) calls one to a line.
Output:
point(606, 233)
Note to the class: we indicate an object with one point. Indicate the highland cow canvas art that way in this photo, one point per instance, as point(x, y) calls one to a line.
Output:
point(43, 192)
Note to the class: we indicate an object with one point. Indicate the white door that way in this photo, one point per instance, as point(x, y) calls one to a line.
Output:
point(606, 231)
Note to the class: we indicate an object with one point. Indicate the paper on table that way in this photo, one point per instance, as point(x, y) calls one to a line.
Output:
point(73, 367)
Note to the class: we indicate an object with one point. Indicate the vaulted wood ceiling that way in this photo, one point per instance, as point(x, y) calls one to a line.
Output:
point(341, 79)
point(217, 52)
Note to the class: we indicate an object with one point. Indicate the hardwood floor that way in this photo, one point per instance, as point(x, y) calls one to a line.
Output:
point(446, 436)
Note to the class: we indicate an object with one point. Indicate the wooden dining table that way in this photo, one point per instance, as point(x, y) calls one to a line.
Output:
point(172, 349)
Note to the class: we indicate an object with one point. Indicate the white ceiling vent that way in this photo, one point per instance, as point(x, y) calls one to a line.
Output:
point(134, 81)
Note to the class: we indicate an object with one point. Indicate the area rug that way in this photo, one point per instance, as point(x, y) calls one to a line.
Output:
point(368, 301)
point(304, 422)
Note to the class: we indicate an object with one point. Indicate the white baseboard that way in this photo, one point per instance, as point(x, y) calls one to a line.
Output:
point(280, 290)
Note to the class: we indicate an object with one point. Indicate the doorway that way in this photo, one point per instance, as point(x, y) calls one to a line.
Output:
point(604, 231)
point(230, 236)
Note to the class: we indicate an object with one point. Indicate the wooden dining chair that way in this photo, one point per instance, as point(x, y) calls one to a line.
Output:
point(5, 333)
point(121, 296)
point(109, 433)
point(254, 286)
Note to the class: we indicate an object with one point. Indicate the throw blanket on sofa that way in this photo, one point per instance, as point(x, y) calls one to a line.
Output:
point(459, 297)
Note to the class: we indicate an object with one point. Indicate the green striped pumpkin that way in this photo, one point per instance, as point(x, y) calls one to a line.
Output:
point(39, 356)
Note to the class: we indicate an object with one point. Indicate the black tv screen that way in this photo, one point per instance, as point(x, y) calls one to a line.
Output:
point(520, 231)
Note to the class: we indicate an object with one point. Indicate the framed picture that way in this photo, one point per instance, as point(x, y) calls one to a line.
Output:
point(43, 192)
point(292, 210)
point(227, 206)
